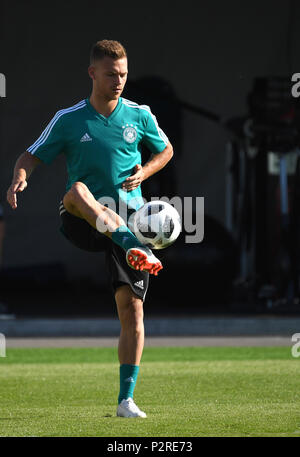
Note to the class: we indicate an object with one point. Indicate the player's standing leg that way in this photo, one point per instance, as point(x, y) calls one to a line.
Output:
point(131, 344)
point(80, 202)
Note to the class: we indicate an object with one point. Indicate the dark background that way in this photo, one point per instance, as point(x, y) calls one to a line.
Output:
point(206, 54)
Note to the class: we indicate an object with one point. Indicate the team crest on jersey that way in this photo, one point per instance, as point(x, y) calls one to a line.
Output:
point(129, 133)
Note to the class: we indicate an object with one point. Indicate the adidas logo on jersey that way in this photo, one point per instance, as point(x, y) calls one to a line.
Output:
point(139, 284)
point(86, 137)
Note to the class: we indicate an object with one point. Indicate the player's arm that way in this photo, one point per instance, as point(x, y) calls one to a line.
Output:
point(154, 164)
point(45, 149)
point(157, 143)
point(24, 166)
point(158, 161)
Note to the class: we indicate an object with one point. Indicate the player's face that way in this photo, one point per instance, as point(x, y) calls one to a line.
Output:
point(109, 76)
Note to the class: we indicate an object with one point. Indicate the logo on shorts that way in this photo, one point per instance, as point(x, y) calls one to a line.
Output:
point(129, 133)
point(139, 284)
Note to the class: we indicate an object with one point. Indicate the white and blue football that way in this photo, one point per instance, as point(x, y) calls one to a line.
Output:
point(156, 224)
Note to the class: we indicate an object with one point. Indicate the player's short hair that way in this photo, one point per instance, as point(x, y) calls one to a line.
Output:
point(109, 48)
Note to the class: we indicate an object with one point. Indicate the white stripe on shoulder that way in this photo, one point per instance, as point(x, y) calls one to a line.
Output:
point(128, 102)
point(46, 132)
point(161, 134)
point(82, 103)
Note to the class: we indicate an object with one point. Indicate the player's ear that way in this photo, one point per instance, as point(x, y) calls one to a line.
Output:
point(91, 72)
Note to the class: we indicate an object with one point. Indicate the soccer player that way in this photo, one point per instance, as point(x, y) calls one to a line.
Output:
point(101, 138)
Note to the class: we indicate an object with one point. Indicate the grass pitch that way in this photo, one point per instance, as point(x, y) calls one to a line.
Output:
point(186, 392)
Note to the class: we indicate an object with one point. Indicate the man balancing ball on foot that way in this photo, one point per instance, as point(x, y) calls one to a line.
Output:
point(101, 138)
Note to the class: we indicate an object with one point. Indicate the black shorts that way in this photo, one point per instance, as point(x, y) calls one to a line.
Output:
point(82, 235)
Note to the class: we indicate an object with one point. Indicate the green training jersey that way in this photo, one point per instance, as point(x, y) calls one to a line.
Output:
point(101, 151)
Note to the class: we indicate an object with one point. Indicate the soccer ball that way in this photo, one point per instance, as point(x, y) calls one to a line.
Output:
point(156, 224)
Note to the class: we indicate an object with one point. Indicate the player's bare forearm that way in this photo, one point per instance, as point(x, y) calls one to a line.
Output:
point(154, 164)
point(24, 166)
point(158, 161)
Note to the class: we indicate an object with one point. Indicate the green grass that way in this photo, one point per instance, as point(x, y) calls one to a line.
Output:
point(246, 391)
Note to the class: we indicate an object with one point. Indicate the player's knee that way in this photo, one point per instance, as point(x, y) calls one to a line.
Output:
point(135, 311)
point(138, 315)
point(132, 314)
point(78, 191)
point(79, 188)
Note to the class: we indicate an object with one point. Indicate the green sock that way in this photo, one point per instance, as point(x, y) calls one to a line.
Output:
point(128, 377)
point(125, 238)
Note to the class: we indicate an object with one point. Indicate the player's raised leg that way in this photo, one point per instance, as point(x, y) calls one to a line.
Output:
point(80, 202)
point(131, 344)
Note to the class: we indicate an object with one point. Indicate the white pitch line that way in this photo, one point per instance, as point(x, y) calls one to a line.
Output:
point(150, 341)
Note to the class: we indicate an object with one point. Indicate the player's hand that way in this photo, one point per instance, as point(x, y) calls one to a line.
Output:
point(135, 180)
point(12, 192)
